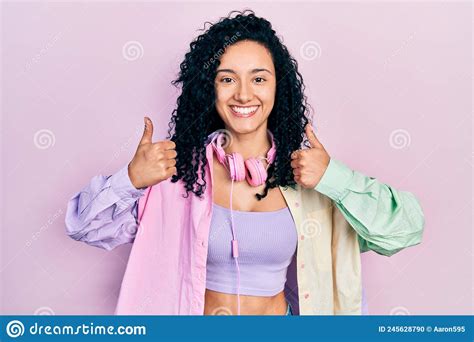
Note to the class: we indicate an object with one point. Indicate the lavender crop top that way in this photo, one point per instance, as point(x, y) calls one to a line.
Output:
point(267, 243)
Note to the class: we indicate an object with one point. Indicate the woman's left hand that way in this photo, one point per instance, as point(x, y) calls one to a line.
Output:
point(310, 164)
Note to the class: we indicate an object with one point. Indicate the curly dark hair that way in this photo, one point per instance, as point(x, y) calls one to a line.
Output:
point(196, 116)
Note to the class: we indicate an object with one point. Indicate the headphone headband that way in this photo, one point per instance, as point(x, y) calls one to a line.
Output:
point(216, 137)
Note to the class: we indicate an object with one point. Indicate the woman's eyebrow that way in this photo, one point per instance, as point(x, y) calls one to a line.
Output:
point(253, 71)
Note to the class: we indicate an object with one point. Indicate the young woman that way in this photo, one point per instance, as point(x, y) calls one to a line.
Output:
point(270, 228)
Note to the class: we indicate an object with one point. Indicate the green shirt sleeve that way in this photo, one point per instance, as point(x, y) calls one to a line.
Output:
point(385, 219)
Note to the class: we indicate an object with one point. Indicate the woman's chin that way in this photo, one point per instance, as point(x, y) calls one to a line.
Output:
point(243, 127)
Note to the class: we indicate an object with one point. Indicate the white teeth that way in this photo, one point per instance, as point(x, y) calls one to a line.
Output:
point(244, 110)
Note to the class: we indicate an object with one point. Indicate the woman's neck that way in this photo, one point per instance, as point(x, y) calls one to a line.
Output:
point(252, 144)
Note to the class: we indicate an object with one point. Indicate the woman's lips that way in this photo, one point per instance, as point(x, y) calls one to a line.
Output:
point(244, 115)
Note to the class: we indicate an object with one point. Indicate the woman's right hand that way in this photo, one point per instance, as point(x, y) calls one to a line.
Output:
point(152, 162)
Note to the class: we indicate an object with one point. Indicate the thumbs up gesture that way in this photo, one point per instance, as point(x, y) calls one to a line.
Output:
point(153, 162)
point(310, 164)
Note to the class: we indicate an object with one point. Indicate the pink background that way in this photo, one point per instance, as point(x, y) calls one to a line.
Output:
point(390, 84)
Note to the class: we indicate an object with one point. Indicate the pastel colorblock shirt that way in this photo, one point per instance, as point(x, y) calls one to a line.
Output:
point(346, 214)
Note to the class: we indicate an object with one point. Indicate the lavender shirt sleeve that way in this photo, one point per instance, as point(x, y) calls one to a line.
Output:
point(104, 213)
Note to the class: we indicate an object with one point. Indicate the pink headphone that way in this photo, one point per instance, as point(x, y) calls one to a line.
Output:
point(251, 169)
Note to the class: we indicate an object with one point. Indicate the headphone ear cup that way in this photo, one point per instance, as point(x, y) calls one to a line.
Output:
point(256, 173)
point(218, 150)
point(236, 166)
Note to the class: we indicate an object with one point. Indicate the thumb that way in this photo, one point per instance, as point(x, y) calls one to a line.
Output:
point(148, 132)
point(313, 140)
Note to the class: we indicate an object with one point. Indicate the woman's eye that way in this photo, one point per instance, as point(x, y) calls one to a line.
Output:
point(229, 80)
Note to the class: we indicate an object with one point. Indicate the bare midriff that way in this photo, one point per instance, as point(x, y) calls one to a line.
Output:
point(218, 303)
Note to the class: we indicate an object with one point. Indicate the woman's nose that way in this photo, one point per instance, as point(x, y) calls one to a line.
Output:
point(244, 93)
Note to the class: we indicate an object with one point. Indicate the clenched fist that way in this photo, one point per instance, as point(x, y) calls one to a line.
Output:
point(152, 162)
point(310, 164)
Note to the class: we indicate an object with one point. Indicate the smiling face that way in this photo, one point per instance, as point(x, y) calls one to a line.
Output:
point(245, 86)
